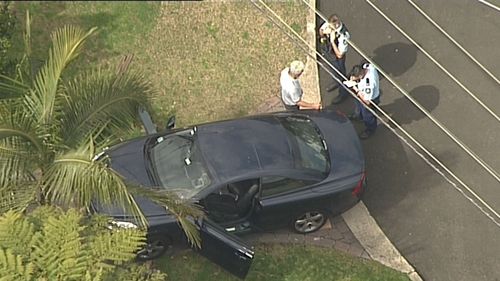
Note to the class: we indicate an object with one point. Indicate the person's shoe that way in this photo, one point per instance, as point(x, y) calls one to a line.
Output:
point(332, 87)
point(354, 117)
point(338, 99)
point(366, 134)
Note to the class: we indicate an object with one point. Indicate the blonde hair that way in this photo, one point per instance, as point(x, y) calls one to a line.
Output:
point(296, 67)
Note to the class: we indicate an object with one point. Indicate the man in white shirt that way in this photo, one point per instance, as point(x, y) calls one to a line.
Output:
point(364, 81)
point(335, 31)
point(291, 91)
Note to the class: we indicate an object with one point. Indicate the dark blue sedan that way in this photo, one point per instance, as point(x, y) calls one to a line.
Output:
point(249, 174)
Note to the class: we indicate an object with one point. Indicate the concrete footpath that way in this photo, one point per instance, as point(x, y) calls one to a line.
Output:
point(374, 241)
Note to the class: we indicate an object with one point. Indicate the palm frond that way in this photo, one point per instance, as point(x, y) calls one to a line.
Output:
point(76, 179)
point(20, 154)
point(17, 197)
point(67, 43)
point(11, 88)
point(185, 211)
point(101, 102)
point(15, 123)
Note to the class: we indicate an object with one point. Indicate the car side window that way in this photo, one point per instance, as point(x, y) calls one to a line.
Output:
point(272, 185)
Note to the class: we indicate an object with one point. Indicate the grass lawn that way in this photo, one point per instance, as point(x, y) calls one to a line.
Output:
point(283, 263)
point(208, 60)
point(122, 27)
point(215, 60)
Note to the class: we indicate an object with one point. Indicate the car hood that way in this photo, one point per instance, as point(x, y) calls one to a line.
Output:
point(128, 160)
point(346, 153)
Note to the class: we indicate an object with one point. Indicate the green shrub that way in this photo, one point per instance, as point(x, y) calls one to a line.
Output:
point(51, 244)
point(7, 24)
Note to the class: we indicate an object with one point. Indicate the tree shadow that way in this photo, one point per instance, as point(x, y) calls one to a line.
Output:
point(404, 111)
point(395, 58)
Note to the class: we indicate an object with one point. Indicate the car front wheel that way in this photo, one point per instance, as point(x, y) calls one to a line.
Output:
point(154, 248)
point(309, 222)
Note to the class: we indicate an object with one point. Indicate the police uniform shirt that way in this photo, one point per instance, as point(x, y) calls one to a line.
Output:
point(340, 37)
point(368, 86)
point(291, 91)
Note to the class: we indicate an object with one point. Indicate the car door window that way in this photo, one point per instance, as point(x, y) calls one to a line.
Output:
point(272, 185)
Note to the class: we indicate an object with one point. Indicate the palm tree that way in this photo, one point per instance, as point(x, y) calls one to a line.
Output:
point(51, 128)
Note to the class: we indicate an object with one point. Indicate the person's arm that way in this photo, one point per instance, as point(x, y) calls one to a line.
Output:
point(336, 50)
point(307, 105)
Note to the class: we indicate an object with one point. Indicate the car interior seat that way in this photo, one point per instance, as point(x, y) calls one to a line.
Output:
point(245, 200)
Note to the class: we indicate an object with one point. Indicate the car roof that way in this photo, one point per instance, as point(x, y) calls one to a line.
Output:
point(234, 148)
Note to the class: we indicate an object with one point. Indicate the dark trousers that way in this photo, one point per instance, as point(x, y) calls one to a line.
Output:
point(339, 64)
point(368, 118)
point(290, 107)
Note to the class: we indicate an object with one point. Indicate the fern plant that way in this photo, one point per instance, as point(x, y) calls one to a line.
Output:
point(51, 244)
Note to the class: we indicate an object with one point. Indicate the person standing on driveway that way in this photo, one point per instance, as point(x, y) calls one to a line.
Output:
point(338, 35)
point(291, 91)
point(364, 80)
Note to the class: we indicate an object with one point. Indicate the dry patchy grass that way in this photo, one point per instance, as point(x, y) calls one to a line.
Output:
point(216, 60)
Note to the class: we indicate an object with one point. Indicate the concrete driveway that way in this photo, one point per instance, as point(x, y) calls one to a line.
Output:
point(440, 232)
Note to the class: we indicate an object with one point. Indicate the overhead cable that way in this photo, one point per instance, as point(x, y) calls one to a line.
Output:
point(486, 213)
point(454, 41)
point(434, 60)
point(471, 153)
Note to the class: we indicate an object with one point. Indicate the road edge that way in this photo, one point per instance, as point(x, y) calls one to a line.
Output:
point(375, 242)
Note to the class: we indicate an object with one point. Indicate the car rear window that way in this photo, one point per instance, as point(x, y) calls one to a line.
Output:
point(309, 148)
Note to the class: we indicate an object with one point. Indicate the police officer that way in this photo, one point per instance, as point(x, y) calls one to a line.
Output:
point(337, 35)
point(364, 81)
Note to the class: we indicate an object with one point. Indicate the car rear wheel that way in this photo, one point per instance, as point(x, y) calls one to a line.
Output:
point(309, 222)
point(154, 248)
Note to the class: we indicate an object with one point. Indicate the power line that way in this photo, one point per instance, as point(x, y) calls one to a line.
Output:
point(454, 41)
point(433, 60)
point(390, 119)
point(471, 153)
point(489, 5)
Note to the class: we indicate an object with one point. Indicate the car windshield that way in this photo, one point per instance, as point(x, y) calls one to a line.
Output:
point(177, 163)
point(309, 148)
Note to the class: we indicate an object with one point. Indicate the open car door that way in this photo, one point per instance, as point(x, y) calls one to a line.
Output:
point(225, 249)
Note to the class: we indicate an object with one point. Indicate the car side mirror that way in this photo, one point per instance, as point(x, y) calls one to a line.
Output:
point(170, 123)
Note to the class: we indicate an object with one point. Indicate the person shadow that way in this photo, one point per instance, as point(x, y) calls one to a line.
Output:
point(405, 112)
point(394, 58)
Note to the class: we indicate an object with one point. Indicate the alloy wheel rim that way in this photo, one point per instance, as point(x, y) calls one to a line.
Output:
point(309, 222)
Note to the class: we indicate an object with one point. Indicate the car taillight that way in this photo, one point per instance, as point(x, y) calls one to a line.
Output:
point(358, 190)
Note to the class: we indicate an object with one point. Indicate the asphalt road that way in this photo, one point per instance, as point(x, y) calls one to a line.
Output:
point(440, 232)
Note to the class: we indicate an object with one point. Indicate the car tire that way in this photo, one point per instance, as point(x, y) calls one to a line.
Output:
point(154, 249)
point(310, 221)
